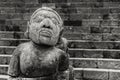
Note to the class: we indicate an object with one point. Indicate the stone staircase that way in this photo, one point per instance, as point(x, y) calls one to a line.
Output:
point(92, 28)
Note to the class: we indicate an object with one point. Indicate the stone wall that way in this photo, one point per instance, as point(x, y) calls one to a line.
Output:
point(92, 28)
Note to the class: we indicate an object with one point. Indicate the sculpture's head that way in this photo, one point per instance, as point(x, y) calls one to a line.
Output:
point(45, 26)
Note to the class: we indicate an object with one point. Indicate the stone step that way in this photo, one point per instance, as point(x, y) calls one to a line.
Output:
point(93, 36)
point(12, 34)
point(94, 53)
point(89, 74)
point(103, 63)
point(4, 77)
point(96, 74)
point(77, 52)
point(12, 42)
point(82, 44)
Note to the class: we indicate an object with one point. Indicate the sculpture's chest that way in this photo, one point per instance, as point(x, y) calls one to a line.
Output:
point(38, 63)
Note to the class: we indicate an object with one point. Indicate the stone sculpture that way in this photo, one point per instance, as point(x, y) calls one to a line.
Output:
point(44, 57)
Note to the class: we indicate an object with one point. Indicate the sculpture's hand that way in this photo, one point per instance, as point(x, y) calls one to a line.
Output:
point(63, 75)
point(66, 75)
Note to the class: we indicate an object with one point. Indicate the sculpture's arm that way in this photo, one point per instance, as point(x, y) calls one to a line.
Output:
point(14, 70)
point(63, 67)
point(63, 62)
point(63, 44)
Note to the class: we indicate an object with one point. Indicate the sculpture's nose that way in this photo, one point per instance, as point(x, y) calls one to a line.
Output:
point(46, 26)
point(47, 23)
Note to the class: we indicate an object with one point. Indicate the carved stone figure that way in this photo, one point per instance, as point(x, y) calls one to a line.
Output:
point(44, 57)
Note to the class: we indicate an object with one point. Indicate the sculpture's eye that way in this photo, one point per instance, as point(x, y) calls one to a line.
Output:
point(54, 21)
point(38, 19)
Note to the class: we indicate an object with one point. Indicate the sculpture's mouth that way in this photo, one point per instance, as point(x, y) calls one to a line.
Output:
point(45, 33)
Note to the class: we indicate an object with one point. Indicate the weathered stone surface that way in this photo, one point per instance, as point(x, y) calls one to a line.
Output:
point(75, 53)
point(78, 75)
point(111, 54)
point(94, 45)
point(93, 54)
point(98, 19)
point(108, 64)
point(84, 64)
point(76, 29)
point(114, 75)
point(6, 51)
point(4, 60)
point(2, 79)
point(95, 75)
point(72, 36)
point(3, 70)
point(111, 37)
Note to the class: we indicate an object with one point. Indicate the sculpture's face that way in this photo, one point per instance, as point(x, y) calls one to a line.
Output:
point(44, 28)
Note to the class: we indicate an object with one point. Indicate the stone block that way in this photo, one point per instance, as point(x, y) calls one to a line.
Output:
point(106, 29)
point(95, 75)
point(72, 36)
point(78, 75)
point(82, 45)
point(76, 29)
point(93, 54)
point(111, 54)
point(95, 30)
point(114, 75)
point(84, 64)
point(115, 30)
point(3, 70)
point(31, 1)
point(108, 64)
point(2, 79)
point(7, 10)
point(75, 53)
point(83, 10)
point(8, 51)
point(91, 23)
point(73, 23)
point(92, 37)
point(4, 60)
point(5, 43)
point(111, 37)
point(100, 10)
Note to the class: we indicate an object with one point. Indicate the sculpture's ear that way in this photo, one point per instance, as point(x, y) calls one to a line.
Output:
point(27, 30)
point(61, 32)
point(60, 36)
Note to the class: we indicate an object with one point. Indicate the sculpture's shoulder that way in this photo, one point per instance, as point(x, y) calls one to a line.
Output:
point(63, 43)
point(58, 50)
point(61, 53)
point(24, 46)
